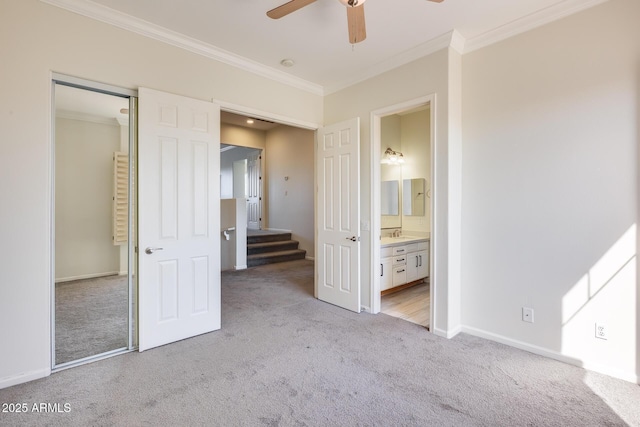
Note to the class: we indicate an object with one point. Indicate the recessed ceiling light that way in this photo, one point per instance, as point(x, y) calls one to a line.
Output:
point(250, 121)
point(287, 62)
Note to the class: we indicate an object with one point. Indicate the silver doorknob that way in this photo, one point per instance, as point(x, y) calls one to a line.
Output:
point(150, 250)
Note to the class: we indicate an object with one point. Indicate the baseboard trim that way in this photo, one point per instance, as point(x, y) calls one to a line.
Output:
point(310, 258)
point(87, 276)
point(552, 354)
point(240, 267)
point(23, 378)
point(447, 334)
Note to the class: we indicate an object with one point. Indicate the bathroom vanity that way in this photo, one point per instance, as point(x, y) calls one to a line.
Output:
point(404, 261)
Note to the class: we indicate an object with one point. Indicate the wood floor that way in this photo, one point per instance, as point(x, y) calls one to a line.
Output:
point(411, 304)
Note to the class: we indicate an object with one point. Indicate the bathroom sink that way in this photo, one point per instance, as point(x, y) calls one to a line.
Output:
point(400, 239)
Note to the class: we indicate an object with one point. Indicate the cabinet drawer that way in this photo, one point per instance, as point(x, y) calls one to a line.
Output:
point(399, 250)
point(399, 275)
point(400, 260)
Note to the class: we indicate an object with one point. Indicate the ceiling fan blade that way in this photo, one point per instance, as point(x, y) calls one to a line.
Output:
point(288, 8)
point(355, 21)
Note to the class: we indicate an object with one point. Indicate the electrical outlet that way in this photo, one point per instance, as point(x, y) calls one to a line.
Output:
point(527, 314)
point(601, 331)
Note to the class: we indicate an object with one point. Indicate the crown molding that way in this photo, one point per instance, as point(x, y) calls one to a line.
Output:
point(452, 39)
point(118, 19)
point(529, 22)
point(420, 51)
point(457, 42)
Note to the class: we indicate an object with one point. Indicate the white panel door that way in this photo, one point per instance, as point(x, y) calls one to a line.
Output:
point(254, 192)
point(338, 243)
point(178, 217)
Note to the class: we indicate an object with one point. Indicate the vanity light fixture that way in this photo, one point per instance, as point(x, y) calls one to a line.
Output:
point(250, 121)
point(392, 157)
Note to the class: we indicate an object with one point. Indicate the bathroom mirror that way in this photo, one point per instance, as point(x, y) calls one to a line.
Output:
point(390, 204)
point(390, 197)
point(413, 196)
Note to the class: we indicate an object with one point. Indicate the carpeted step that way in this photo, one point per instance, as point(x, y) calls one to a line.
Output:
point(273, 257)
point(268, 237)
point(278, 246)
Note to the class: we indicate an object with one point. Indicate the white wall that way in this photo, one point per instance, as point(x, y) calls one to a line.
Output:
point(83, 199)
point(233, 214)
point(416, 147)
point(51, 39)
point(242, 136)
point(390, 137)
point(550, 188)
point(227, 158)
point(290, 153)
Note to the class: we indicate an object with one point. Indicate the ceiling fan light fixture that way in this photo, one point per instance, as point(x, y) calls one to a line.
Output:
point(352, 3)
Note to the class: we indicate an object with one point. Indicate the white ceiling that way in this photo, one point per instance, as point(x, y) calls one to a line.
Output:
point(315, 37)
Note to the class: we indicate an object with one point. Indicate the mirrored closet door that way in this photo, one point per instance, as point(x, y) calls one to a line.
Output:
point(93, 262)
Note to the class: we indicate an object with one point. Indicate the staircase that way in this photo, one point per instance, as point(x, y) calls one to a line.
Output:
point(268, 247)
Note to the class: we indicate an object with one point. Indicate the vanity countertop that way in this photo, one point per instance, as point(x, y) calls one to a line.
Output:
point(402, 240)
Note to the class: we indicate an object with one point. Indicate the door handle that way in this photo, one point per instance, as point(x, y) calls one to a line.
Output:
point(352, 238)
point(151, 250)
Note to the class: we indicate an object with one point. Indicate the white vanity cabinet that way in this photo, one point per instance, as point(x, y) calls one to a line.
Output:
point(399, 265)
point(386, 265)
point(403, 263)
point(417, 261)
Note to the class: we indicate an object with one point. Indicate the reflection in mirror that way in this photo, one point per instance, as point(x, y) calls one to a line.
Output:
point(390, 197)
point(413, 197)
point(91, 271)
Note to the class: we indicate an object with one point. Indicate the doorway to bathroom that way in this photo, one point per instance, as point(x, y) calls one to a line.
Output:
point(403, 173)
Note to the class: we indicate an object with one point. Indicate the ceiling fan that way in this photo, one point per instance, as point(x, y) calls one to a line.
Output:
point(355, 15)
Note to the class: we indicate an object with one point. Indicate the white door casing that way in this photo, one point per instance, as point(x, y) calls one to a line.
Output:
point(338, 241)
point(179, 217)
point(254, 191)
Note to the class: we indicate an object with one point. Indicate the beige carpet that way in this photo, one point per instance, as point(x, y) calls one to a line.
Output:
point(91, 317)
point(286, 359)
